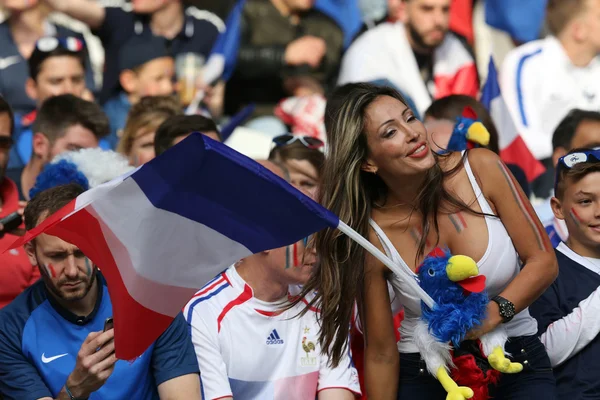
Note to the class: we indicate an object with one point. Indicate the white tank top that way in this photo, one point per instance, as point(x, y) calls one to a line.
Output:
point(500, 264)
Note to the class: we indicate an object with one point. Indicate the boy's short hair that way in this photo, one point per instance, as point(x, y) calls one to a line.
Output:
point(567, 128)
point(560, 12)
point(38, 57)
point(566, 176)
point(181, 125)
point(59, 113)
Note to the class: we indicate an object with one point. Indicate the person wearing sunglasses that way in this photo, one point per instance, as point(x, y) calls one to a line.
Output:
point(27, 22)
point(567, 312)
point(16, 273)
point(303, 158)
point(56, 66)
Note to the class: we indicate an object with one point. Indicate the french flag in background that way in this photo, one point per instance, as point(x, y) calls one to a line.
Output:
point(522, 20)
point(513, 149)
point(160, 233)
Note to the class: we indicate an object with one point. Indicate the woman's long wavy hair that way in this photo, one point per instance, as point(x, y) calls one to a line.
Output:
point(351, 193)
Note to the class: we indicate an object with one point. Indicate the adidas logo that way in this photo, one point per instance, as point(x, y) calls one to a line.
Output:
point(274, 338)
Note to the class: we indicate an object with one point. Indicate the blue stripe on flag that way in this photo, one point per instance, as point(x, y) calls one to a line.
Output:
point(228, 42)
point(523, 20)
point(212, 184)
point(491, 88)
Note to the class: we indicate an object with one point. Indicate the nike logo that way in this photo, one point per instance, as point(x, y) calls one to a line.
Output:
point(8, 61)
point(50, 359)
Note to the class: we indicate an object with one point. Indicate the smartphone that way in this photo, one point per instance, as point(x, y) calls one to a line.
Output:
point(108, 324)
point(11, 222)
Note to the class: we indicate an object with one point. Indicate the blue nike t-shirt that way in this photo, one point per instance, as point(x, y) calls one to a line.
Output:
point(39, 342)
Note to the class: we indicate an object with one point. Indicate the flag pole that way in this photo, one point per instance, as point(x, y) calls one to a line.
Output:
point(402, 273)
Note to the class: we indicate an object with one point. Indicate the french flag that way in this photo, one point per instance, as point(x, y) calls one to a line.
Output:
point(513, 149)
point(522, 20)
point(160, 233)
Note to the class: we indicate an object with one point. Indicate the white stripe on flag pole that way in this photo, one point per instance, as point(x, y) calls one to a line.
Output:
point(404, 272)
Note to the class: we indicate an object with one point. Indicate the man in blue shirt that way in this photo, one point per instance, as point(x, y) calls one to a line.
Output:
point(187, 30)
point(52, 343)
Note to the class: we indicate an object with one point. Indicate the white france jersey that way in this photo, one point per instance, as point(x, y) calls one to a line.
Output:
point(247, 349)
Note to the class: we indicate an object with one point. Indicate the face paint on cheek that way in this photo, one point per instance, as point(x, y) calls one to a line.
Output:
point(295, 248)
point(287, 257)
point(50, 270)
point(575, 217)
point(88, 267)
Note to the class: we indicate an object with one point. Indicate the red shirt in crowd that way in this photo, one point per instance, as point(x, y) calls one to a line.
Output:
point(16, 272)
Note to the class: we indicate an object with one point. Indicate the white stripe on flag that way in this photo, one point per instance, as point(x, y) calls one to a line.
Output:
point(507, 131)
point(155, 296)
point(196, 252)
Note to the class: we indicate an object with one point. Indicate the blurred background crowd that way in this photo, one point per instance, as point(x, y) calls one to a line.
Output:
point(135, 78)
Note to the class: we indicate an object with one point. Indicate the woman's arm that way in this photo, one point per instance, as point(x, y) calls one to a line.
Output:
point(382, 361)
point(525, 230)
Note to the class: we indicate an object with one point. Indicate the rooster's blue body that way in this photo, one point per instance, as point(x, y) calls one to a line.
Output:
point(457, 311)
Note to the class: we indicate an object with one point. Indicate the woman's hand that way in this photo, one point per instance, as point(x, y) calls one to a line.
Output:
point(492, 320)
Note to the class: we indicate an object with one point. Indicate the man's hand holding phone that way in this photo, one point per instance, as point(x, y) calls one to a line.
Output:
point(95, 363)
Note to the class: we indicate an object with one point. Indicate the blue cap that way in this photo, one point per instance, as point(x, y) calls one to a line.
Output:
point(141, 49)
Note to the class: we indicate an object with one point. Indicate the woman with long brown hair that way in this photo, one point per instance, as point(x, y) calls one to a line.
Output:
point(382, 179)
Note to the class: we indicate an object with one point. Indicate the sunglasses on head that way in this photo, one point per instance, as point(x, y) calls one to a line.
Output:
point(572, 159)
point(48, 44)
point(308, 141)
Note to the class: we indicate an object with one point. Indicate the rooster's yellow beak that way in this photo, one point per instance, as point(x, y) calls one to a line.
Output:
point(479, 134)
point(460, 268)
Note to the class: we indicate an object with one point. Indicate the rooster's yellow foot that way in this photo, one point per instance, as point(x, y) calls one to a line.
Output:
point(499, 362)
point(454, 391)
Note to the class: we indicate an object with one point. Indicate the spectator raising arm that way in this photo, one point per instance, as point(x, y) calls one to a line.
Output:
point(89, 12)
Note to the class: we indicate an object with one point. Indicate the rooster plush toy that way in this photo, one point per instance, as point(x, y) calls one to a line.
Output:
point(457, 288)
point(468, 132)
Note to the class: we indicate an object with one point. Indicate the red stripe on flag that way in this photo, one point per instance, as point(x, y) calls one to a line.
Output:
point(241, 299)
point(464, 81)
point(461, 18)
point(136, 327)
point(518, 153)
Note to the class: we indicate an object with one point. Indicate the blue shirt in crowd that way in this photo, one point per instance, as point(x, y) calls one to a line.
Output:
point(39, 342)
point(116, 109)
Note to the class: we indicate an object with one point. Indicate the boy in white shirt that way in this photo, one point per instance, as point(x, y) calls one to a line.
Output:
point(248, 348)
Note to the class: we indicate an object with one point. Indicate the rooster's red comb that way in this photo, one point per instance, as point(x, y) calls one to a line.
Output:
point(469, 112)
